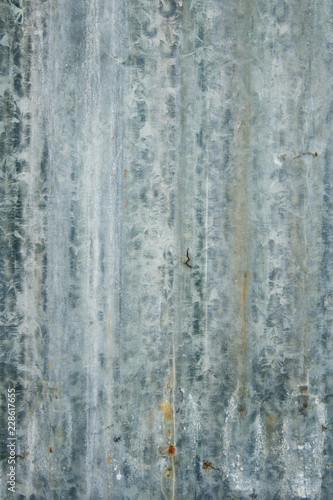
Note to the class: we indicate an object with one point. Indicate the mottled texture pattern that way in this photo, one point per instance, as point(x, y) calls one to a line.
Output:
point(166, 248)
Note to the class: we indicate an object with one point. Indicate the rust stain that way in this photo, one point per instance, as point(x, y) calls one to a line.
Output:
point(50, 450)
point(171, 450)
point(166, 410)
point(109, 460)
point(168, 482)
point(209, 466)
point(24, 455)
point(168, 476)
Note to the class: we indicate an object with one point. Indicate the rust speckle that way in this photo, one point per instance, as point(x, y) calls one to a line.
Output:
point(171, 450)
point(323, 428)
point(305, 405)
point(169, 433)
point(50, 449)
point(207, 466)
point(91, 322)
point(109, 460)
point(242, 410)
point(316, 154)
point(330, 465)
point(166, 410)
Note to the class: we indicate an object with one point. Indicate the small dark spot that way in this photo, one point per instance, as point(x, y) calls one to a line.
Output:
point(316, 154)
point(323, 428)
point(209, 466)
point(305, 405)
point(117, 439)
point(50, 449)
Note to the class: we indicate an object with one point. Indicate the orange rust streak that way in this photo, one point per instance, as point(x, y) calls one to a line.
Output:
point(166, 410)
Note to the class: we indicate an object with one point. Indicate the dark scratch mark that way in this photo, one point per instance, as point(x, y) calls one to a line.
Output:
point(306, 154)
point(188, 259)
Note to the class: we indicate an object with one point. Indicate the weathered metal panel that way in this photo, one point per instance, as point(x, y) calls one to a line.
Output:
point(166, 248)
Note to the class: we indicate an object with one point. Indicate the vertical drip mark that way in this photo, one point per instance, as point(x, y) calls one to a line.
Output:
point(243, 307)
point(243, 348)
point(206, 367)
point(169, 448)
point(125, 175)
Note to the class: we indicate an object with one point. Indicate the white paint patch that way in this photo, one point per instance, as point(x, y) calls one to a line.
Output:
point(277, 161)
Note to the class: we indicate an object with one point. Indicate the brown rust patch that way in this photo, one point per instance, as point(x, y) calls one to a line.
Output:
point(166, 410)
point(50, 450)
point(171, 450)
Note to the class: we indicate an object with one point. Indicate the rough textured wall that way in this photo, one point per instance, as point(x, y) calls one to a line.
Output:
point(166, 248)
